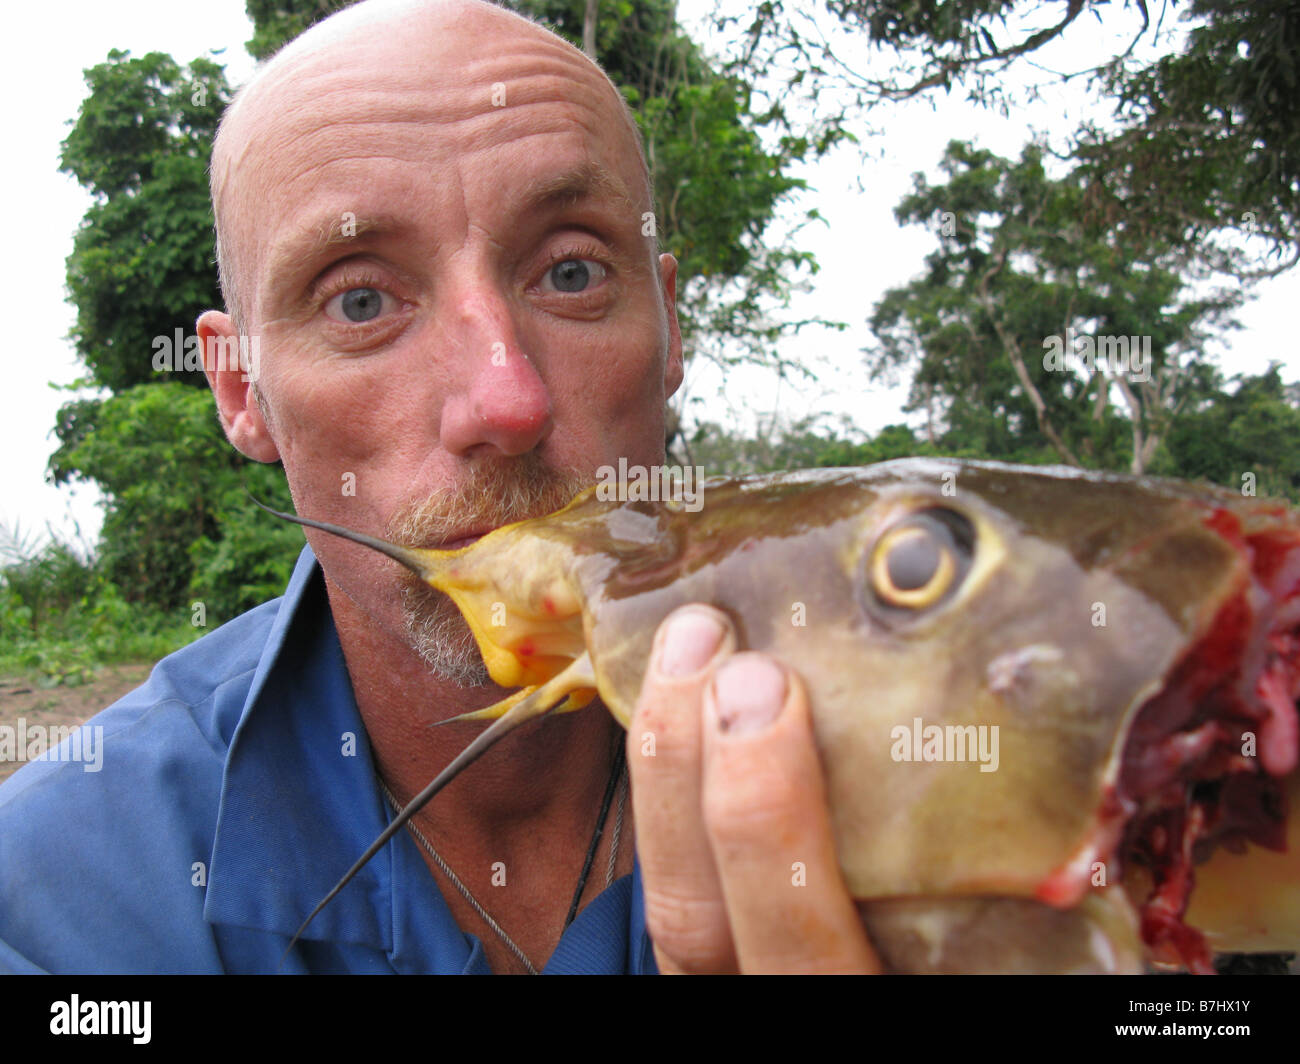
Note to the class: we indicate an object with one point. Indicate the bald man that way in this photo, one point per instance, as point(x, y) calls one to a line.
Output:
point(432, 218)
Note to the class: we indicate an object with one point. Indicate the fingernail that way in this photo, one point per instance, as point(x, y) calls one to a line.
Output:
point(748, 693)
point(690, 642)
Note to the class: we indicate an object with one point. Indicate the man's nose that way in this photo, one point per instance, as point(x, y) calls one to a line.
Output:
point(502, 401)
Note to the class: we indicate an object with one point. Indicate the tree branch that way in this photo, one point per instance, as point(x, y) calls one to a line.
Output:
point(949, 67)
point(589, 29)
point(1012, 347)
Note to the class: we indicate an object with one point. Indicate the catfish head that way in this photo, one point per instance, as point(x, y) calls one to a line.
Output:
point(1041, 696)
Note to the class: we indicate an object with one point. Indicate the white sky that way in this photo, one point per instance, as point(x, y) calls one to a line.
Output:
point(862, 252)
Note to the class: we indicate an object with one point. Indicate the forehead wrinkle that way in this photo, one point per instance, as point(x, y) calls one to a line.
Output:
point(323, 84)
point(543, 101)
point(375, 111)
point(345, 68)
point(587, 180)
point(337, 95)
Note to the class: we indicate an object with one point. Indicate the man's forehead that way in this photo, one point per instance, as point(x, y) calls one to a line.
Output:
point(372, 34)
point(483, 78)
point(422, 51)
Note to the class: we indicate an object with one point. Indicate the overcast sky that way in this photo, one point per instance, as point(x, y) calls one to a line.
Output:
point(862, 251)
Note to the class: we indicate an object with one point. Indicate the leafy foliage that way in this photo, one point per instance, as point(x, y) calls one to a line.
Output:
point(276, 22)
point(1210, 140)
point(1205, 141)
point(187, 529)
point(1255, 430)
point(142, 261)
point(141, 272)
point(40, 580)
point(1015, 268)
point(60, 616)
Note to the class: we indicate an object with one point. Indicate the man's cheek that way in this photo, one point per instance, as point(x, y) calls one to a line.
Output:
point(325, 423)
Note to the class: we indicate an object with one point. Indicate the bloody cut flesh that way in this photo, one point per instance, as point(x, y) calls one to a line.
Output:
point(1205, 759)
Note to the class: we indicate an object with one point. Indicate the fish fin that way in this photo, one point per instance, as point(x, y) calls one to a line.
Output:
point(572, 703)
point(492, 712)
point(542, 700)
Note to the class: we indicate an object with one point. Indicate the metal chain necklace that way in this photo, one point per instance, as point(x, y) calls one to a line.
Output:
point(617, 776)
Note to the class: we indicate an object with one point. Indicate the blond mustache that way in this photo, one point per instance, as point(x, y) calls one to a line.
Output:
point(504, 493)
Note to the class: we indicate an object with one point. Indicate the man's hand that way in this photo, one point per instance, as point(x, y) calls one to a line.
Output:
point(732, 826)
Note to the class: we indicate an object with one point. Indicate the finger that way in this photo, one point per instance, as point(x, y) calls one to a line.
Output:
point(685, 914)
point(769, 826)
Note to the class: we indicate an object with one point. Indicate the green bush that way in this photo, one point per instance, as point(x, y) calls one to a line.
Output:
point(61, 616)
point(187, 530)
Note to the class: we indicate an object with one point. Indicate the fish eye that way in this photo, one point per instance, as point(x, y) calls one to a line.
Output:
point(917, 562)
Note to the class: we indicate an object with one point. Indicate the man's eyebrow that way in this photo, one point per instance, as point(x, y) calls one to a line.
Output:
point(338, 229)
point(587, 181)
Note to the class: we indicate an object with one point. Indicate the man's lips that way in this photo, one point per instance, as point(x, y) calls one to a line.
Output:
point(461, 541)
point(466, 538)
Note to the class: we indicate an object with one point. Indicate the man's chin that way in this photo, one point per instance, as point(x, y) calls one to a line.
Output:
point(438, 633)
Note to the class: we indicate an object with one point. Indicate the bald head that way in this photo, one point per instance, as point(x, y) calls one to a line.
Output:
point(344, 66)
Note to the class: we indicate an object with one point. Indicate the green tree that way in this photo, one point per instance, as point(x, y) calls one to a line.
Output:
point(141, 272)
point(168, 537)
point(1016, 279)
point(277, 22)
point(1203, 141)
point(1248, 439)
point(141, 264)
point(1209, 141)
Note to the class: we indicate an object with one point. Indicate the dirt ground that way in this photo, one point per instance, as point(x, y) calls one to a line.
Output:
point(51, 706)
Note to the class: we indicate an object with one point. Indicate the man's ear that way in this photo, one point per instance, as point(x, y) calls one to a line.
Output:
point(232, 387)
point(673, 371)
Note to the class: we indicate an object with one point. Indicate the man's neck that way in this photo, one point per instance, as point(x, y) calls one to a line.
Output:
point(516, 825)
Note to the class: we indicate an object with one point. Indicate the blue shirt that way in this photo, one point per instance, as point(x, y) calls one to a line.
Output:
point(234, 789)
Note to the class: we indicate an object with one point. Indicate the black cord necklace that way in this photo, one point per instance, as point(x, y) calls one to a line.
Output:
point(616, 775)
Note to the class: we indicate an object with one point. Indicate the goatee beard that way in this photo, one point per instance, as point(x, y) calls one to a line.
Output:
point(502, 493)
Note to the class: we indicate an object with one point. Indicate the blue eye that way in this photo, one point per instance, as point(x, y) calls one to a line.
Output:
point(575, 275)
point(361, 304)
